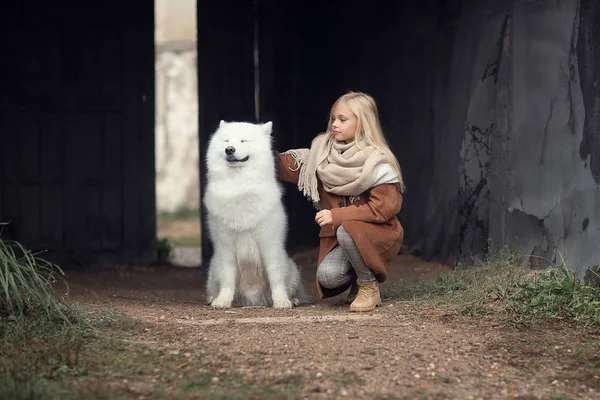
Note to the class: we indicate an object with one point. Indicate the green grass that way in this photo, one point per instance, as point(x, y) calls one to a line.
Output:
point(26, 284)
point(186, 241)
point(554, 293)
point(501, 286)
point(181, 213)
point(43, 359)
point(466, 285)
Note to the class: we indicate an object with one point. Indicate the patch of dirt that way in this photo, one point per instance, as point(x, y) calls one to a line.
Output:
point(321, 351)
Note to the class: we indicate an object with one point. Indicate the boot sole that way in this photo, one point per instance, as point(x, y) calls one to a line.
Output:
point(356, 309)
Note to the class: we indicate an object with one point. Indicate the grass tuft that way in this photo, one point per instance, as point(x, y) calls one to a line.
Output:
point(555, 293)
point(501, 285)
point(26, 284)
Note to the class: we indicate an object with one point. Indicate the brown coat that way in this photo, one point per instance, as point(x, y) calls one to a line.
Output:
point(371, 221)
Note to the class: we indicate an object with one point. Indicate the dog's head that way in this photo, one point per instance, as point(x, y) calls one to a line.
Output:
point(237, 144)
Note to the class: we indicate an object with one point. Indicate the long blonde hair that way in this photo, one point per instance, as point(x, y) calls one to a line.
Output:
point(368, 128)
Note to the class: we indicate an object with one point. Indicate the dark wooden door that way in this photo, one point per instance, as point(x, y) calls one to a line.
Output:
point(77, 129)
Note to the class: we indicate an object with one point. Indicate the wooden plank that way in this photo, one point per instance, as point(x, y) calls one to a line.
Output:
point(131, 216)
point(81, 193)
point(10, 147)
point(4, 148)
point(112, 144)
point(28, 147)
point(11, 210)
point(112, 191)
point(131, 126)
point(139, 224)
point(51, 174)
point(147, 175)
point(131, 224)
point(51, 149)
point(111, 233)
point(29, 221)
point(51, 218)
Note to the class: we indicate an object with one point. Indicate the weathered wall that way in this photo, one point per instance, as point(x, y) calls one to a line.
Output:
point(588, 54)
point(177, 158)
point(511, 98)
point(483, 104)
point(177, 167)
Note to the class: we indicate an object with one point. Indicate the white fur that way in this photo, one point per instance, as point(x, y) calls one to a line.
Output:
point(247, 223)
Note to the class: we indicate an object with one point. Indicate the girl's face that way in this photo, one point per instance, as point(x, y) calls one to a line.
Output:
point(343, 123)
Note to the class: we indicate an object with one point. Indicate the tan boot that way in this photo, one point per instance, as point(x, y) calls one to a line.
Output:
point(352, 293)
point(368, 297)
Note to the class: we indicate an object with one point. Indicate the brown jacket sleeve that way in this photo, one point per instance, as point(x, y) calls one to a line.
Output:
point(286, 168)
point(383, 204)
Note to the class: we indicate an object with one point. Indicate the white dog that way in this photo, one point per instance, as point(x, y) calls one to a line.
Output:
point(247, 222)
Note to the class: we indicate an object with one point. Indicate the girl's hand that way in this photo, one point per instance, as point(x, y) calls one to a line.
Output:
point(324, 217)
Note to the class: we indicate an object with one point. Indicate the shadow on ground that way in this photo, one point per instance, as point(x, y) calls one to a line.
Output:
point(184, 284)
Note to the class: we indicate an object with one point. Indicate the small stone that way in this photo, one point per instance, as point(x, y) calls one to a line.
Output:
point(319, 375)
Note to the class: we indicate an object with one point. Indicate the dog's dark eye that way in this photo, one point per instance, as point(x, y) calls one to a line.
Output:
point(242, 141)
point(226, 140)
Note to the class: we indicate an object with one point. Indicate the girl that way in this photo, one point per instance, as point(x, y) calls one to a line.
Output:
point(355, 181)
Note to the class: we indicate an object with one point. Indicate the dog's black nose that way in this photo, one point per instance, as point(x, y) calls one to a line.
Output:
point(229, 150)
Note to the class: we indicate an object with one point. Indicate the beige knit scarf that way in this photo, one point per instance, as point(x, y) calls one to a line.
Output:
point(343, 168)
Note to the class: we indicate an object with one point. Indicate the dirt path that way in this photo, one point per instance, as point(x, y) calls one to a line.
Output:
point(321, 351)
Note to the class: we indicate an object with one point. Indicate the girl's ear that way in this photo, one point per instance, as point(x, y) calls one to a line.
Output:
point(267, 128)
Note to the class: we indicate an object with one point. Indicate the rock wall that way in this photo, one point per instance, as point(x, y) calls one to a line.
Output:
point(515, 134)
point(176, 131)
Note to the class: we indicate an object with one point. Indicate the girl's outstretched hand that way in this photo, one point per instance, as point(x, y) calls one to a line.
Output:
point(324, 217)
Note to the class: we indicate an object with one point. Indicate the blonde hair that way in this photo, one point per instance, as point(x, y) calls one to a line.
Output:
point(368, 128)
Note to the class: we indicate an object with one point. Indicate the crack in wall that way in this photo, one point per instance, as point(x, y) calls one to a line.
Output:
point(545, 133)
point(474, 189)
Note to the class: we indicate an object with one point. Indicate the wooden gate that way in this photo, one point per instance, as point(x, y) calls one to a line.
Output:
point(77, 129)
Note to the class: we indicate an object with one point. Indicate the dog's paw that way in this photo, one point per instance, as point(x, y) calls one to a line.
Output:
point(221, 303)
point(209, 300)
point(296, 301)
point(282, 303)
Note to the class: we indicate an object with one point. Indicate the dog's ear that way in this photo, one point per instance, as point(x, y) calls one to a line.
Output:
point(267, 128)
point(222, 123)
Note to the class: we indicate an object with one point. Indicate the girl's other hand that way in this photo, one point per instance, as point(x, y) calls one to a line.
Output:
point(324, 217)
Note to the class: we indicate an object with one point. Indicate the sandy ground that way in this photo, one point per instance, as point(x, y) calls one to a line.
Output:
point(322, 351)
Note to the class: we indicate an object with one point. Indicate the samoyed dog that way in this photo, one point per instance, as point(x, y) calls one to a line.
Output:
point(247, 222)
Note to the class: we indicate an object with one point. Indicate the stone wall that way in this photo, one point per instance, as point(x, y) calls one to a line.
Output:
point(513, 134)
point(177, 163)
point(176, 106)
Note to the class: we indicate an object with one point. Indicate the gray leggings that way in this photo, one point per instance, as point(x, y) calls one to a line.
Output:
point(343, 264)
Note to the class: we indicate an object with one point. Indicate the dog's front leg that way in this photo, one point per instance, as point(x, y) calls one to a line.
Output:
point(226, 275)
point(276, 274)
